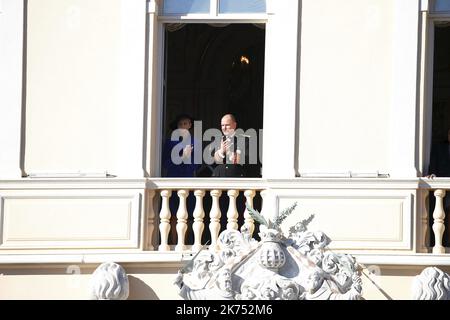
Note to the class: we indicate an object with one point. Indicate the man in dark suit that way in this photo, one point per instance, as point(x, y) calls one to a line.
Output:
point(228, 156)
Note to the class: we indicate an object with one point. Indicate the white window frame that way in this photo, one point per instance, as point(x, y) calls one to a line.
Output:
point(154, 168)
point(280, 16)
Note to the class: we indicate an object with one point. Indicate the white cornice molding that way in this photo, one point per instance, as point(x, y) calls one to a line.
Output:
point(420, 259)
point(205, 183)
point(296, 183)
point(94, 258)
point(72, 183)
point(343, 183)
point(223, 183)
point(175, 259)
point(436, 183)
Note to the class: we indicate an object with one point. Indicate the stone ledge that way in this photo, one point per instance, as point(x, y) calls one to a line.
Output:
point(180, 257)
point(150, 257)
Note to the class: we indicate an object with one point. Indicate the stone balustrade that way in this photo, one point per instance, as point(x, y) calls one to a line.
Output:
point(432, 239)
point(218, 204)
point(200, 209)
point(438, 221)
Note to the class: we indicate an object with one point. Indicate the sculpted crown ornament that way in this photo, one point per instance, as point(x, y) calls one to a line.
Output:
point(271, 255)
point(299, 267)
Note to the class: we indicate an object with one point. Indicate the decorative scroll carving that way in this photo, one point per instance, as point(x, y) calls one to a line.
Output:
point(109, 282)
point(431, 284)
point(299, 267)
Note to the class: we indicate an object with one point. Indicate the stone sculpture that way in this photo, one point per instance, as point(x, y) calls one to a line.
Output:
point(431, 284)
point(297, 267)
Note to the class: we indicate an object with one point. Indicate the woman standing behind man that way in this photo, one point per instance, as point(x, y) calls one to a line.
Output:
point(228, 156)
point(178, 155)
point(178, 161)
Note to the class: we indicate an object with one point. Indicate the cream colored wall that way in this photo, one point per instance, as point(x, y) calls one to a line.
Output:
point(345, 85)
point(374, 220)
point(85, 86)
point(156, 282)
point(358, 87)
point(395, 282)
point(11, 54)
point(86, 64)
point(84, 112)
point(68, 282)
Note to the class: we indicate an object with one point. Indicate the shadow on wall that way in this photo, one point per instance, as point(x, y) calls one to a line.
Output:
point(139, 290)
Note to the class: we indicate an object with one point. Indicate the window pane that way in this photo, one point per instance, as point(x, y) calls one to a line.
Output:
point(185, 6)
point(240, 6)
point(442, 5)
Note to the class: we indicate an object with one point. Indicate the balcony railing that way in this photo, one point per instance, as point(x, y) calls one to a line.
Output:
point(169, 224)
point(224, 209)
point(183, 214)
point(433, 191)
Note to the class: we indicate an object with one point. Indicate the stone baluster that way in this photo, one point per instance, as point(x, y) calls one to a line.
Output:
point(438, 224)
point(198, 224)
point(232, 213)
point(424, 237)
point(182, 216)
point(214, 215)
point(164, 218)
point(150, 220)
point(249, 223)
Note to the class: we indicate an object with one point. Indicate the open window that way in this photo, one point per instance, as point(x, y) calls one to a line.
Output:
point(437, 102)
point(212, 68)
point(440, 146)
point(439, 97)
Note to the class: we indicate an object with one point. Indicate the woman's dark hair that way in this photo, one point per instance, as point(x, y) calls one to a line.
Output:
point(174, 124)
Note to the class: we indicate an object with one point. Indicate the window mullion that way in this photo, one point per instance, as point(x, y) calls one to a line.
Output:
point(213, 7)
